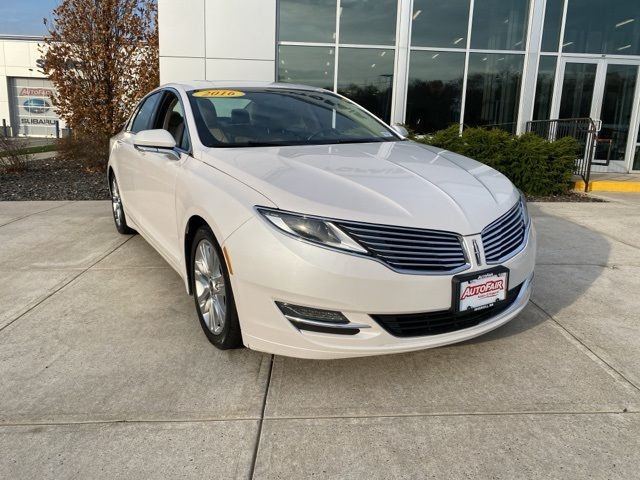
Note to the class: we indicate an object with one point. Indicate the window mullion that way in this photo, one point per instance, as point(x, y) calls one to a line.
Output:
point(463, 100)
point(337, 47)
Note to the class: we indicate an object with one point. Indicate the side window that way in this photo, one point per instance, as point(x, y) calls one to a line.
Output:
point(144, 116)
point(172, 120)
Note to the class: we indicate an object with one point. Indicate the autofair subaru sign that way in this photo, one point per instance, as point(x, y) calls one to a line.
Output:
point(32, 109)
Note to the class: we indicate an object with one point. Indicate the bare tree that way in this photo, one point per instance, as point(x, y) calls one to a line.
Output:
point(14, 154)
point(102, 57)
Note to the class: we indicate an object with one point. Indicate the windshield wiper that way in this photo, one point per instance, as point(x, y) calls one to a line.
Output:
point(364, 140)
point(254, 143)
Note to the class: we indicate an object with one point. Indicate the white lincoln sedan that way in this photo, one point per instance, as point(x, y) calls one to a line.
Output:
point(304, 226)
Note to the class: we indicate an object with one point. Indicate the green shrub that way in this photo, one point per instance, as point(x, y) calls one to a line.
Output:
point(535, 165)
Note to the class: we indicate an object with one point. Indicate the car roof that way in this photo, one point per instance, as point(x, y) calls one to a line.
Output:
point(232, 84)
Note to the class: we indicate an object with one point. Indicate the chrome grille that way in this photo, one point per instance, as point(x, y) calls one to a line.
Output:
point(409, 249)
point(505, 236)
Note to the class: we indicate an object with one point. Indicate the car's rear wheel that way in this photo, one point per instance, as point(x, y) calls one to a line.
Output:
point(118, 210)
point(212, 292)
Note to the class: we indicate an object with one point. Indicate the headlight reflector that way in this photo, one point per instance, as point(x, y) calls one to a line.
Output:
point(311, 229)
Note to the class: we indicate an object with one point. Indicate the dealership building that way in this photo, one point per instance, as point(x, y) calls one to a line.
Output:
point(424, 63)
point(26, 107)
point(428, 63)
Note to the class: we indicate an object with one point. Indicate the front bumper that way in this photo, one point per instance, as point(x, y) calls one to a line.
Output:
point(269, 267)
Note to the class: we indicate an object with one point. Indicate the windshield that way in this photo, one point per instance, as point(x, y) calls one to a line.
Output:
point(276, 117)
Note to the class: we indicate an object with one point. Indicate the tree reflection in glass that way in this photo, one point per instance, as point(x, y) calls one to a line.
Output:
point(435, 90)
point(365, 75)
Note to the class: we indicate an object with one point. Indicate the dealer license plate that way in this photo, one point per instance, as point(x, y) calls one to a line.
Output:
point(481, 290)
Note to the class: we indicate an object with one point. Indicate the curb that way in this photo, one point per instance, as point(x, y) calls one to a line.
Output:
point(608, 186)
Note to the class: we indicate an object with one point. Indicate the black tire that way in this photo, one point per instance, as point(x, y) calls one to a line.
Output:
point(117, 209)
point(228, 336)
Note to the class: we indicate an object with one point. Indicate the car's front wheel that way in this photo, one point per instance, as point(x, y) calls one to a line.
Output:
point(118, 210)
point(212, 291)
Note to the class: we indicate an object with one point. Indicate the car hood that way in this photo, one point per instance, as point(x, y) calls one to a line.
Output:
point(394, 183)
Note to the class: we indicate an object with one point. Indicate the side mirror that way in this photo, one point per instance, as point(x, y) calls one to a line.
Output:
point(400, 130)
point(156, 141)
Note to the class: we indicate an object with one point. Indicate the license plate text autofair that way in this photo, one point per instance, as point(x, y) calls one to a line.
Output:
point(483, 290)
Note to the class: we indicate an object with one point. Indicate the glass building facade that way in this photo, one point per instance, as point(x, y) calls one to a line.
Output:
point(432, 63)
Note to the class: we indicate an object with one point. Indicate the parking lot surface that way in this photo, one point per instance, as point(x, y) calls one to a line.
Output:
point(105, 372)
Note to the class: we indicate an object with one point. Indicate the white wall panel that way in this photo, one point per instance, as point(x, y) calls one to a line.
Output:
point(17, 59)
point(2, 60)
point(250, 70)
point(25, 71)
point(4, 89)
point(17, 54)
point(244, 29)
point(174, 69)
point(34, 52)
point(181, 28)
point(4, 99)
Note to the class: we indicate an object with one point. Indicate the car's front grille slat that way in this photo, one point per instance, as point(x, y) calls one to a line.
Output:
point(402, 231)
point(410, 249)
point(401, 240)
point(434, 266)
point(439, 259)
point(415, 251)
point(505, 236)
point(381, 246)
point(513, 244)
point(506, 226)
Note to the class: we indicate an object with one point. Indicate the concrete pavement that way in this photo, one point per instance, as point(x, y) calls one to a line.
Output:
point(105, 372)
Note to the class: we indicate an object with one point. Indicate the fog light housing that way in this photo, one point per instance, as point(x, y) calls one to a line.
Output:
point(319, 320)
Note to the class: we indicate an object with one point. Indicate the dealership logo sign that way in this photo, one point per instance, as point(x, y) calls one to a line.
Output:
point(36, 92)
point(36, 106)
point(38, 121)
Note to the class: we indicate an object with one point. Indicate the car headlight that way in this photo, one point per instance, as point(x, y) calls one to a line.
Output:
point(311, 229)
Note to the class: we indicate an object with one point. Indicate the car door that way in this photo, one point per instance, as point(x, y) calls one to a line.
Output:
point(127, 157)
point(156, 178)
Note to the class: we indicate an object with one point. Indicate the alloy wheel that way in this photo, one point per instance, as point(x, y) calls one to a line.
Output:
point(116, 202)
point(211, 292)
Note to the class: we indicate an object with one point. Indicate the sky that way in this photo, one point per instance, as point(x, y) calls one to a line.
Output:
point(24, 17)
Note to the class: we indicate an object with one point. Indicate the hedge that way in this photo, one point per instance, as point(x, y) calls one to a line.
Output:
point(536, 166)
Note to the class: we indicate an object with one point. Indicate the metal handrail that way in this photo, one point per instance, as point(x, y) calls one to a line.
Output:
point(509, 127)
point(583, 130)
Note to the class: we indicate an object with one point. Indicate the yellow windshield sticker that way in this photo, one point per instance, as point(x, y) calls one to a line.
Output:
point(218, 93)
